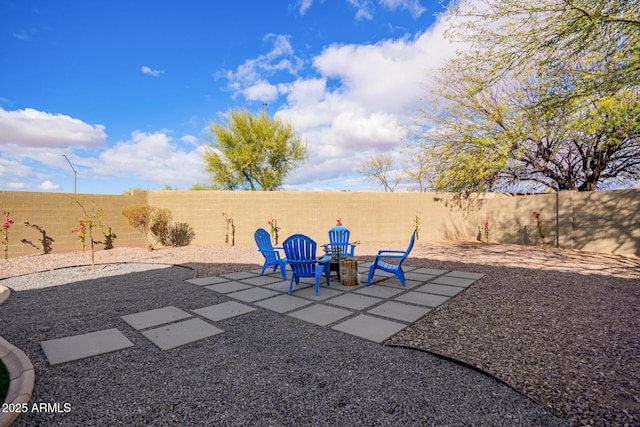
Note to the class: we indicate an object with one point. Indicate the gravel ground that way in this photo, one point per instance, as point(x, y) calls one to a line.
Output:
point(561, 326)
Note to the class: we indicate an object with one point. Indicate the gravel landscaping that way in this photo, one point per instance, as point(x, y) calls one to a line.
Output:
point(562, 327)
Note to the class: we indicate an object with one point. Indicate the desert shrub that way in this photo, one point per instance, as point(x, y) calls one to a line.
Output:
point(179, 234)
point(149, 221)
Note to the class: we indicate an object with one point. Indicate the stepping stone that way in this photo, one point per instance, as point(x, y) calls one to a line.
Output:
point(370, 328)
point(226, 287)
point(399, 311)
point(393, 281)
point(310, 292)
point(159, 316)
point(261, 280)
point(181, 333)
point(223, 311)
point(453, 281)
point(419, 276)
point(421, 298)
point(379, 291)
point(253, 294)
point(433, 288)
point(353, 301)
point(465, 275)
point(320, 314)
point(430, 271)
point(239, 275)
point(78, 347)
point(283, 303)
point(283, 286)
point(204, 281)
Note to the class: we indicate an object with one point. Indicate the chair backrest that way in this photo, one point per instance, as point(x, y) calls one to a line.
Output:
point(339, 238)
point(406, 253)
point(300, 251)
point(263, 240)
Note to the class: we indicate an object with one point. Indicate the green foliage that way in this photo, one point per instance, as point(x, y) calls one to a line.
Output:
point(204, 187)
point(149, 221)
point(253, 152)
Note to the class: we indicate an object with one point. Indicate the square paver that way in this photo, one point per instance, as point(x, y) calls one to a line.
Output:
point(223, 311)
point(320, 314)
point(226, 287)
point(283, 303)
point(239, 275)
point(310, 292)
point(419, 277)
point(181, 333)
point(353, 301)
point(395, 282)
point(253, 294)
point(379, 291)
point(159, 316)
point(78, 347)
point(283, 286)
point(431, 271)
point(261, 280)
point(465, 275)
point(399, 311)
point(421, 298)
point(370, 328)
point(434, 288)
point(453, 281)
point(204, 281)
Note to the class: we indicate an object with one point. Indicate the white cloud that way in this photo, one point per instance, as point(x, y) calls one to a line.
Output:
point(34, 128)
point(154, 157)
point(304, 6)
point(412, 6)
point(150, 72)
point(261, 91)
point(48, 185)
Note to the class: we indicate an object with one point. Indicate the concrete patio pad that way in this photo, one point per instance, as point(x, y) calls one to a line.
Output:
point(253, 294)
point(370, 328)
point(421, 298)
point(453, 281)
point(283, 303)
point(204, 281)
point(353, 301)
point(320, 314)
point(226, 287)
point(310, 292)
point(261, 280)
point(400, 311)
point(223, 311)
point(283, 286)
point(181, 333)
point(445, 290)
point(465, 275)
point(78, 347)
point(159, 316)
point(379, 291)
point(239, 275)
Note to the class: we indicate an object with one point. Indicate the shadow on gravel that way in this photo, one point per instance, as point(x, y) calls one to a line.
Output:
point(264, 369)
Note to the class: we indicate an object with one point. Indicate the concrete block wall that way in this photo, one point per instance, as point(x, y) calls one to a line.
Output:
point(603, 221)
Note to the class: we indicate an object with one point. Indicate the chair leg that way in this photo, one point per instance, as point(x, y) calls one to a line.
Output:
point(264, 267)
point(283, 270)
point(371, 270)
point(400, 275)
point(291, 285)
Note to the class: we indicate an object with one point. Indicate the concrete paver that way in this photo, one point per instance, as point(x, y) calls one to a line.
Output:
point(78, 347)
point(320, 314)
point(253, 294)
point(453, 281)
point(353, 301)
point(421, 298)
point(159, 316)
point(399, 311)
point(223, 311)
point(261, 280)
point(465, 275)
point(226, 287)
point(178, 334)
point(434, 288)
point(204, 281)
point(283, 303)
point(379, 291)
point(369, 327)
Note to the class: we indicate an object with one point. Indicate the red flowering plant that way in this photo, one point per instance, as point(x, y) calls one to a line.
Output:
point(5, 234)
point(536, 215)
point(82, 234)
point(274, 229)
point(486, 228)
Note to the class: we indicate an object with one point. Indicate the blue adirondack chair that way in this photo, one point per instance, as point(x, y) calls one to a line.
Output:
point(339, 242)
point(300, 251)
point(395, 268)
point(271, 255)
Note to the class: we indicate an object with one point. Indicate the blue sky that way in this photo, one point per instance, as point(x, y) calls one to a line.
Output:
point(126, 89)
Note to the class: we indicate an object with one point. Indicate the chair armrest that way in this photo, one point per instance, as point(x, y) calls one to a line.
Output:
point(324, 259)
point(390, 252)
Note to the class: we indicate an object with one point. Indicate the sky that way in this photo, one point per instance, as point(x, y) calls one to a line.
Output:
point(123, 92)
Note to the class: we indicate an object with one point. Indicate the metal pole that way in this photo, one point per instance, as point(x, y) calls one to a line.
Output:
point(74, 173)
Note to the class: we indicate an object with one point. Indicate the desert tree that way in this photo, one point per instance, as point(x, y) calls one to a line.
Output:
point(378, 168)
point(252, 152)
